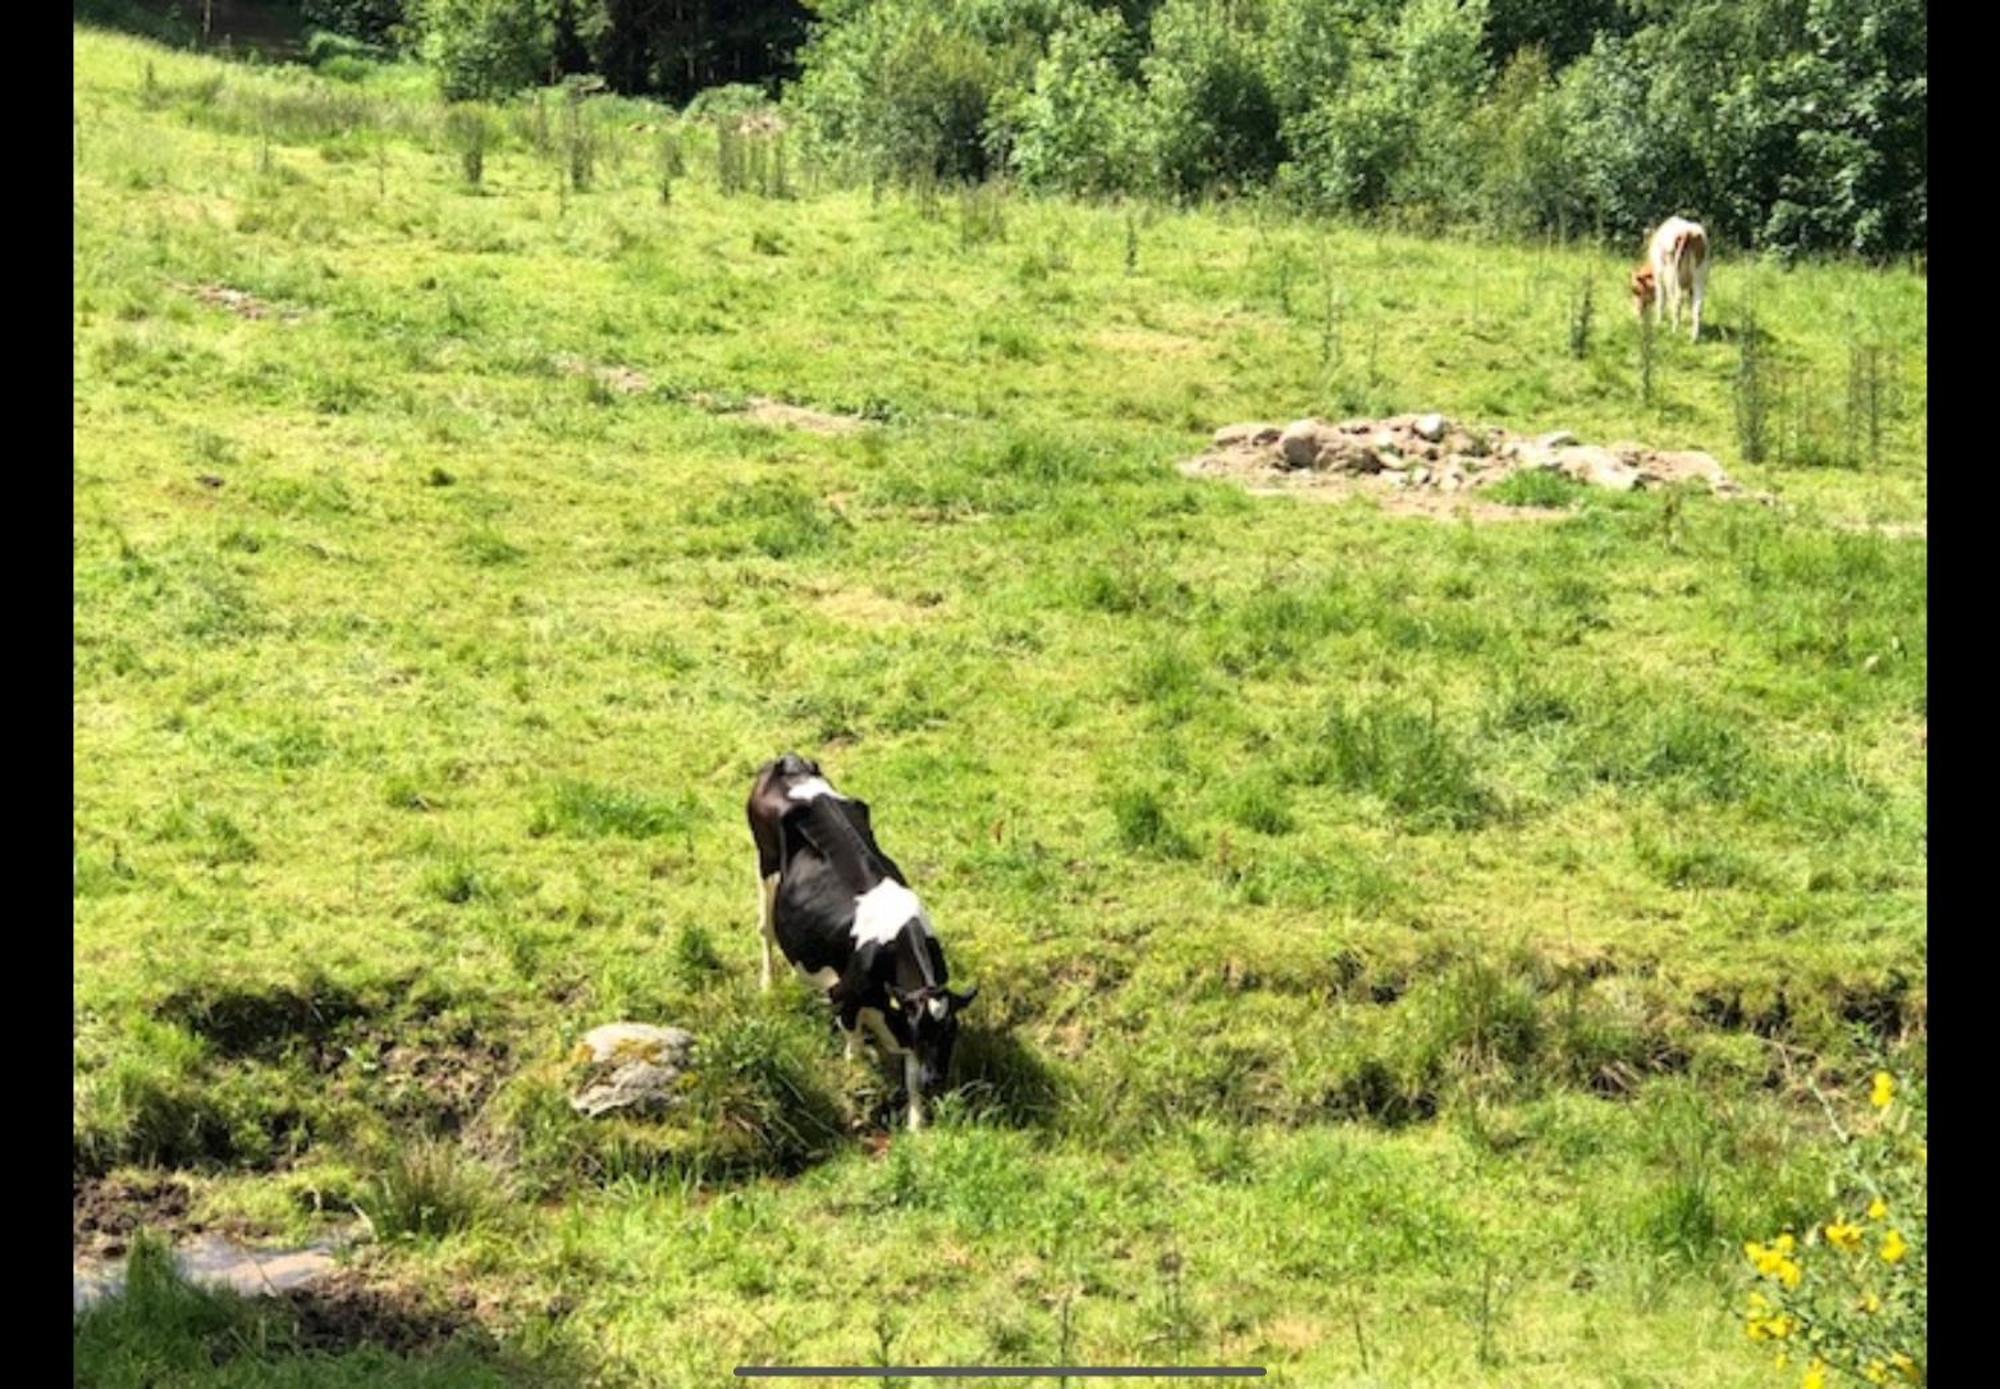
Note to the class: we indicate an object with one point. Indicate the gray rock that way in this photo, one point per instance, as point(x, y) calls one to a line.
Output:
point(1558, 439)
point(635, 1067)
point(1598, 467)
point(1301, 443)
point(1430, 427)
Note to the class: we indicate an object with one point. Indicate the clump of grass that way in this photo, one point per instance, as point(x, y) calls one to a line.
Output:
point(1407, 760)
point(1752, 394)
point(752, 1103)
point(579, 145)
point(696, 963)
point(470, 130)
point(981, 215)
point(1543, 487)
point(1579, 321)
point(1648, 350)
point(592, 811)
point(1145, 825)
point(673, 163)
point(158, 1323)
point(425, 1189)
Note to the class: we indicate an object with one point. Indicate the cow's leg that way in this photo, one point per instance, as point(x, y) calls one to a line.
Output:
point(847, 1018)
point(913, 1075)
point(767, 897)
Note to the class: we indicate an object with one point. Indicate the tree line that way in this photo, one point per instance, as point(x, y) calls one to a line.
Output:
point(1785, 125)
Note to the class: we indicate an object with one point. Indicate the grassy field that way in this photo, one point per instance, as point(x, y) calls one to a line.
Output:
point(1406, 950)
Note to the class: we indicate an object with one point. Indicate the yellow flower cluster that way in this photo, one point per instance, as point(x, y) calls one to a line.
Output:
point(1776, 1261)
point(1795, 1322)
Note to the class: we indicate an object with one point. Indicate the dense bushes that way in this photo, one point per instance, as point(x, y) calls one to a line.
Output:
point(1788, 124)
point(1792, 125)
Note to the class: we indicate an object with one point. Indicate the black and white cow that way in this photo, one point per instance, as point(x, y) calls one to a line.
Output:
point(844, 916)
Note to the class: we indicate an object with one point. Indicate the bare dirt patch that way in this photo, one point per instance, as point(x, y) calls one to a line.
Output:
point(242, 303)
point(776, 412)
point(1428, 465)
point(106, 1212)
point(345, 1310)
point(623, 380)
point(864, 607)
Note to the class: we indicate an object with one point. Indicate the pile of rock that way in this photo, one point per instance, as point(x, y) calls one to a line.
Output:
point(1431, 452)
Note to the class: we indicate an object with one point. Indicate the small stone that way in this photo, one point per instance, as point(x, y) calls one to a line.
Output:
point(1420, 476)
point(1430, 427)
point(209, 480)
point(1394, 477)
point(1559, 439)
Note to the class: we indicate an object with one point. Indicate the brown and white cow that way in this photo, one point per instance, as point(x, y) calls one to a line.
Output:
point(1676, 269)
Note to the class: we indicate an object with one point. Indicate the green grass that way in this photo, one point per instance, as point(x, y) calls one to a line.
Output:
point(1391, 921)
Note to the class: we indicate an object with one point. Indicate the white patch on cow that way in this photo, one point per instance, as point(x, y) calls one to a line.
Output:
point(880, 912)
point(821, 979)
point(936, 1007)
point(813, 786)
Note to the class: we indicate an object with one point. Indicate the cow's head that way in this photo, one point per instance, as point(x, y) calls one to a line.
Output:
point(1643, 290)
point(926, 1020)
point(793, 765)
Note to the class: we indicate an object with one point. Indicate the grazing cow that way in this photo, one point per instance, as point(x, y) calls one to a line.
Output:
point(1676, 268)
point(844, 916)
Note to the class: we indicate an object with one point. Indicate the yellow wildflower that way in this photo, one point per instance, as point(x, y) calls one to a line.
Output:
point(1846, 1238)
point(1785, 1245)
point(1759, 1303)
point(1781, 1360)
point(1884, 1091)
point(1874, 1373)
point(1878, 1209)
point(1871, 1303)
point(1905, 1367)
point(1790, 1273)
point(1815, 1376)
point(1894, 1248)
